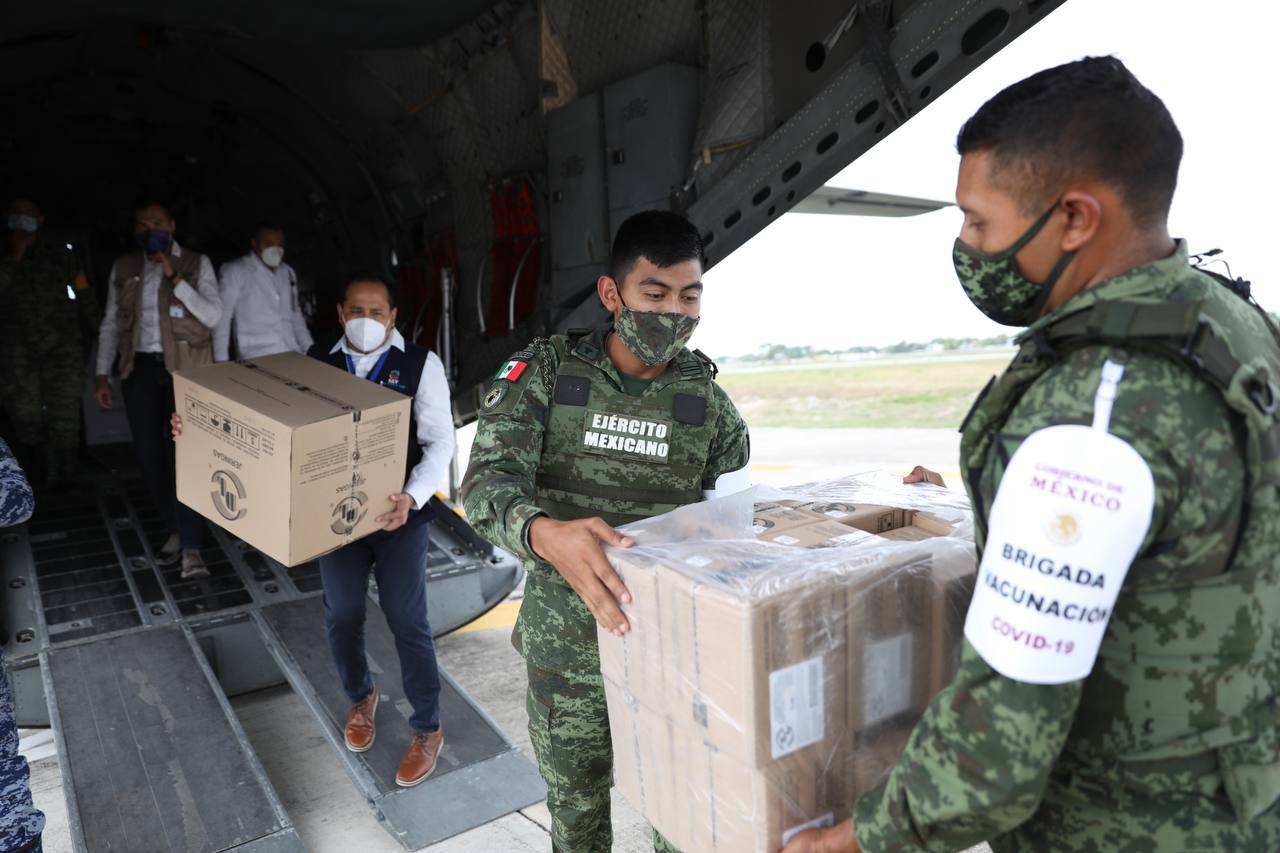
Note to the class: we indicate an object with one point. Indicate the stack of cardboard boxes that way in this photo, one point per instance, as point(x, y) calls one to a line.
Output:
point(768, 681)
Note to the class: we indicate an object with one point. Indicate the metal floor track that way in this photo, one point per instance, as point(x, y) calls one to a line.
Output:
point(154, 759)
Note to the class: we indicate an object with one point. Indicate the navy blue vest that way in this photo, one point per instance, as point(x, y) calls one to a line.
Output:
point(401, 371)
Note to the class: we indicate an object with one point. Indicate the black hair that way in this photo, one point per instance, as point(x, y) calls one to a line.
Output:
point(265, 225)
point(665, 238)
point(369, 278)
point(1085, 119)
point(144, 203)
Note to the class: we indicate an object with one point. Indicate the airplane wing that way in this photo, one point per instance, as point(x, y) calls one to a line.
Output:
point(838, 200)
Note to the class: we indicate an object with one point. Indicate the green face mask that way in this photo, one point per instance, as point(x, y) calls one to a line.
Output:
point(654, 337)
point(994, 284)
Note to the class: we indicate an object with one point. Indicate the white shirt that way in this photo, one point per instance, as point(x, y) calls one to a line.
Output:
point(262, 305)
point(432, 412)
point(202, 301)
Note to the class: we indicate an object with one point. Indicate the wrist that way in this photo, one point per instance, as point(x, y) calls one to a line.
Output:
point(539, 524)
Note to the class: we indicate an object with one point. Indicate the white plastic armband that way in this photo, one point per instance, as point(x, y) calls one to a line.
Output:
point(1072, 511)
point(730, 483)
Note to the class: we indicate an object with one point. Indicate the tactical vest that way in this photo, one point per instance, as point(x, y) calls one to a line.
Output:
point(1232, 669)
point(186, 341)
point(402, 372)
point(606, 453)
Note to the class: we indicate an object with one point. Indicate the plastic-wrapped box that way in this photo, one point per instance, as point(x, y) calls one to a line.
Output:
point(769, 679)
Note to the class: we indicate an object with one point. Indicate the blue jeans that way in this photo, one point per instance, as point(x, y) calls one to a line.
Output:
point(398, 562)
point(20, 821)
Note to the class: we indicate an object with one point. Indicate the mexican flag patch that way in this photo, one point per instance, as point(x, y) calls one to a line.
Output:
point(512, 369)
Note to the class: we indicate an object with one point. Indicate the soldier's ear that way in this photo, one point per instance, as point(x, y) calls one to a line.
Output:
point(1084, 218)
point(608, 290)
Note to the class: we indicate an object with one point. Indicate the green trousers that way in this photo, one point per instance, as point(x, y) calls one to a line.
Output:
point(569, 727)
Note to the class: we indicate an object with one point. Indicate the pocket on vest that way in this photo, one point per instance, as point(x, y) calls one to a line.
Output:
point(190, 355)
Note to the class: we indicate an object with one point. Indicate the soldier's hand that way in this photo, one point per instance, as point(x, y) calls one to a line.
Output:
point(175, 424)
point(574, 549)
point(921, 474)
point(402, 503)
point(838, 839)
point(102, 392)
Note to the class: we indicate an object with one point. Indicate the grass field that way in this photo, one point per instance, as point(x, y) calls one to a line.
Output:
point(930, 392)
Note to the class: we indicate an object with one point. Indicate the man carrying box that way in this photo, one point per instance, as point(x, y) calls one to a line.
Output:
point(1118, 682)
point(577, 433)
point(373, 349)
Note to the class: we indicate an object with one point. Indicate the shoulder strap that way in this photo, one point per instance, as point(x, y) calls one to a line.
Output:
point(708, 365)
point(695, 366)
point(579, 342)
point(1180, 332)
point(1175, 330)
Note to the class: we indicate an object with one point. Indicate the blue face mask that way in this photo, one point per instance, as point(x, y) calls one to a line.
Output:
point(24, 223)
point(155, 240)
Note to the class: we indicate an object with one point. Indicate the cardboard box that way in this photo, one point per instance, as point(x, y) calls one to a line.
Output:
point(873, 518)
point(810, 535)
point(762, 688)
point(910, 533)
point(840, 651)
point(705, 801)
point(288, 453)
point(933, 524)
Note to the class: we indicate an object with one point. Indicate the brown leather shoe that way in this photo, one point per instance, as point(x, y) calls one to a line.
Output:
point(360, 723)
point(420, 759)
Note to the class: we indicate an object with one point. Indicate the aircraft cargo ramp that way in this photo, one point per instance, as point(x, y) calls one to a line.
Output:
point(133, 667)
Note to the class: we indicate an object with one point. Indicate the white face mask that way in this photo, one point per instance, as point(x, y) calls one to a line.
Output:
point(365, 333)
point(272, 256)
point(23, 222)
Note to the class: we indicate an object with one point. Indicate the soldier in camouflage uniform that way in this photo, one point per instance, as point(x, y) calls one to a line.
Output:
point(20, 822)
point(41, 345)
point(1167, 737)
point(578, 433)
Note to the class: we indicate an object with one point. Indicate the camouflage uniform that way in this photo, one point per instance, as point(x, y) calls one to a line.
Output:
point(529, 460)
point(1173, 741)
point(41, 347)
point(20, 822)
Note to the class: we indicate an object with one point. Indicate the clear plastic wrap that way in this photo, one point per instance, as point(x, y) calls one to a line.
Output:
point(779, 655)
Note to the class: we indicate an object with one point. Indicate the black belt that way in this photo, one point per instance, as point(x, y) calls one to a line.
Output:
point(153, 357)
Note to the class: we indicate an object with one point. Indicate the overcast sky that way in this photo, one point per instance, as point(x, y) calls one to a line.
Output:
point(841, 281)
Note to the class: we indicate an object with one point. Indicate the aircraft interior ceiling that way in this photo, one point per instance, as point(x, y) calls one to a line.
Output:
point(403, 136)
